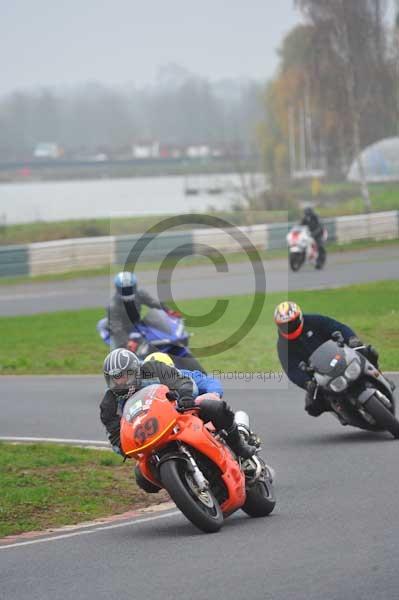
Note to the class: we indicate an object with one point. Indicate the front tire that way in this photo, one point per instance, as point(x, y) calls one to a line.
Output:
point(383, 417)
point(260, 500)
point(202, 509)
point(296, 260)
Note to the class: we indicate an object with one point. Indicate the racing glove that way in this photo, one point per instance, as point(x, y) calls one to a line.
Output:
point(372, 355)
point(171, 312)
point(354, 342)
point(182, 402)
point(369, 351)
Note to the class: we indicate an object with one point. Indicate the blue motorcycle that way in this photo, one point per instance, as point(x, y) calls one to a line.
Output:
point(158, 332)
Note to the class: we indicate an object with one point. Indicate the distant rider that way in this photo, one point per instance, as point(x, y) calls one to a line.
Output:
point(299, 335)
point(125, 375)
point(311, 220)
point(125, 309)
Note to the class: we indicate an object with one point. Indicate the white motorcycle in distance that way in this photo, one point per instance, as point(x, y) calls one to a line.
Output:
point(303, 248)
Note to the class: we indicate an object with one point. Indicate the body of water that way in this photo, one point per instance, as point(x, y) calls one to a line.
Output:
point(59, 201)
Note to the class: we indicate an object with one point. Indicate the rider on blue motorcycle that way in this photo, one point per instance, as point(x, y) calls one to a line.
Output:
point(299, 335)
point(125, 309)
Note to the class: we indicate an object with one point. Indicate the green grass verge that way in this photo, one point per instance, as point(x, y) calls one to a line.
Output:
point(43, 231)
point(67, 342)
point(44, 486)
point(231, 258)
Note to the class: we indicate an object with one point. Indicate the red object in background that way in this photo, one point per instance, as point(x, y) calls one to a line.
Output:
point(25, 172)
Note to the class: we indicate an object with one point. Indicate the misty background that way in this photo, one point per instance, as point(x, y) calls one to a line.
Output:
point(97, 77)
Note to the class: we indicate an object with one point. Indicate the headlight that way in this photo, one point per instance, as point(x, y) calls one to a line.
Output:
point(353, 370)
point(339, 384)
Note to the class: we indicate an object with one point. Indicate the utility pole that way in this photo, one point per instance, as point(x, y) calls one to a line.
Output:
point(303, 137)
point(291, 121)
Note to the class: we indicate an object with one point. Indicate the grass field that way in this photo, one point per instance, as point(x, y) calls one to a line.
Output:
point(45, 486)
point(67, 342)
point(42, 231)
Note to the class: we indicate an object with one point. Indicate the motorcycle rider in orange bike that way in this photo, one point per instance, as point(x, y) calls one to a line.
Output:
point(125, 375)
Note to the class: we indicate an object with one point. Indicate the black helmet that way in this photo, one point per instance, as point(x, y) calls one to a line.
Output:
point(308, 211)
point(121, 371)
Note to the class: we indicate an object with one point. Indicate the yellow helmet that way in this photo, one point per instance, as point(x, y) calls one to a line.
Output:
point(160, 357)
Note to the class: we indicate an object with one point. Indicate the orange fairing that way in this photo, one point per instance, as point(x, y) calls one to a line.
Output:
point(150, 422)
point(147, 417)
point(195, 434)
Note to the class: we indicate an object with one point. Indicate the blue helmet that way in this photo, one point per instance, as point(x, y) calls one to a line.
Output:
point(126, 285)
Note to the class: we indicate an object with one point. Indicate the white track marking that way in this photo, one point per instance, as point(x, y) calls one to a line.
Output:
point(94, 530)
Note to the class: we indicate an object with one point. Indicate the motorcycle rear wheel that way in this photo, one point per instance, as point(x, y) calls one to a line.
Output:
point(205, 513)
point(383, 417)
point(260, 500)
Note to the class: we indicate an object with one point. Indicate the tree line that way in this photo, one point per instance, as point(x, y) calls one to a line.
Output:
point(179, 109)
point(335, 91)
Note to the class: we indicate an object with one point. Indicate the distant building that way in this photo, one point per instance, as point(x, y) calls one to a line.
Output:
point(47, 150)
point(200, 151)
point(145, 150)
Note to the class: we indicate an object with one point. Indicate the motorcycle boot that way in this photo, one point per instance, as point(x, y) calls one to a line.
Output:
point(238, 444)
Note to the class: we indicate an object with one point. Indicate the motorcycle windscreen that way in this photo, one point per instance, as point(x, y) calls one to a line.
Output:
point(328, 359)
point(147, 416)
point(158, 319)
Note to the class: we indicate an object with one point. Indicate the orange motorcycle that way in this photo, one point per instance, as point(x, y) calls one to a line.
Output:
point(177, 451)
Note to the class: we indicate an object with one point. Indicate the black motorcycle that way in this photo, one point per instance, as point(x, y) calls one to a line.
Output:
point(356, 391)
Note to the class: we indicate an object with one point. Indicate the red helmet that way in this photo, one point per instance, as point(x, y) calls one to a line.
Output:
point(289, 320)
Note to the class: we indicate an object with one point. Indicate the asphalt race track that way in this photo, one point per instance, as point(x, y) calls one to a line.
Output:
point(334, 534)
point(204, 281)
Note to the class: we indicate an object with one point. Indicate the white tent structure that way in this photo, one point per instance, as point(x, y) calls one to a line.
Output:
point(380, 160)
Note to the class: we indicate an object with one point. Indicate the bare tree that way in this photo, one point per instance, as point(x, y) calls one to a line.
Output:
point(354, 30)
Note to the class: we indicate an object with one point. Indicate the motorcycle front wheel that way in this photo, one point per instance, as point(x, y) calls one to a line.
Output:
point(199, 507)
point(296, 260)
point(384, 418)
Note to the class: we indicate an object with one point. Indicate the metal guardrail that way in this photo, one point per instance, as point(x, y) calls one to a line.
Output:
point(83, 253)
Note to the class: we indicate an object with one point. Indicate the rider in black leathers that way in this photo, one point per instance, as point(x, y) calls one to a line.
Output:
point(299, 336)
point(312, 221)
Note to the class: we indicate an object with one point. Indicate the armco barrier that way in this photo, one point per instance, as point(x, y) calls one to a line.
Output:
point(14, 261)
point(70, 255)
point(277, 234)
point(74, 254)
point(150, 247)
point(230, 239)
point(376, 226)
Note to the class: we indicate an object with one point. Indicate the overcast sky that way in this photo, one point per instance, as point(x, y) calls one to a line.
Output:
point(52, 42)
